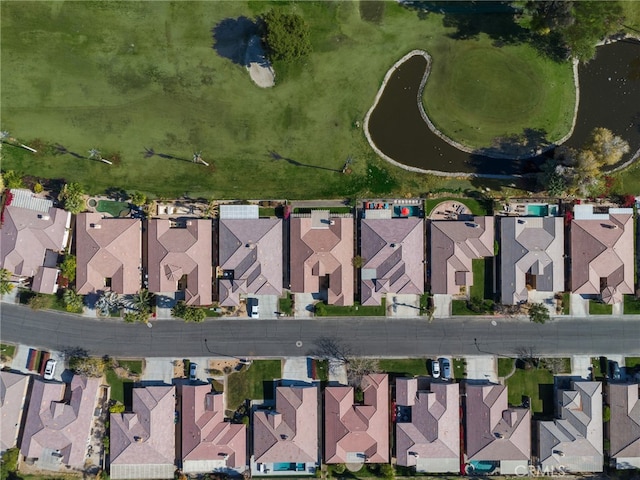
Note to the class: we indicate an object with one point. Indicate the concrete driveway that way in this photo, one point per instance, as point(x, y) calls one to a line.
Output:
point(303, 303)
point(403, 305)
point(443, 306)
point(579, 305)
point(296, 369)
point(269, 306)
point(482, 367)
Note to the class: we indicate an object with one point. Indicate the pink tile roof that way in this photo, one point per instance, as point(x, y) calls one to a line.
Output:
point(13, 388)
point(393, 250)
point(353, 432)
point(495, 431)
point(146, 435)
point(453, 245)
point(27, 234)
point(45, 280)
point(55, 424)
point(603, 249)
point(290, 432)
point(624, 426)
point(108, 248)
point(319, 250)
point(434, 430)
point(174, 252)
point(206, 438)
point(252, 250)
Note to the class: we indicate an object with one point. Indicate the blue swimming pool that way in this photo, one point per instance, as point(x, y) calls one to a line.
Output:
point(542, 210)
point(288, 467)
point(413, 211)
point(478, 466)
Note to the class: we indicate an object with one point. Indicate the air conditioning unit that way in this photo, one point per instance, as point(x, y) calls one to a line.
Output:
point(95, 225)
point(44, 216)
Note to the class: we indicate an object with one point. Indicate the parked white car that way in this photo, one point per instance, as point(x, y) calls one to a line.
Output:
point(50, 369)
point(435, 369)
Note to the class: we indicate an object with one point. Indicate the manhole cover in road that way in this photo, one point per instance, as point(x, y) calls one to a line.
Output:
point(494, 323)
point(298, 344)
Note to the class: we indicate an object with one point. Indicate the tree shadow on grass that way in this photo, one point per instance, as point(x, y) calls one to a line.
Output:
point(231, 38)
point(276, 156)
point(150, 152)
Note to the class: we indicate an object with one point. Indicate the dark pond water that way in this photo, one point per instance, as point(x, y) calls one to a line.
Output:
point(609, 97)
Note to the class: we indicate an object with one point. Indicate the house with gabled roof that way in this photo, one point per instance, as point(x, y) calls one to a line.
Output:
point(108, 254)
point(142, 441)
point(393, 253)
point(532, 257)
point(32, 235)
point(454, 244)
point(285, 438)
point(574, 441)
point(13, 391)
point(624, 425)
point(250, 256)
point(321, 252)
point(357, 432)
point(428, 425)
point(58, 422)
point(209, 443)
point(179, 258)
point(602, 259)
point(495, 432)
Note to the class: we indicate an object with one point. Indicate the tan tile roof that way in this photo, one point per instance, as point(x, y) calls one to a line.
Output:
point(208, 441)
point(146, 435)
point(174, 252)
point(108, 248)
point(290, 432)
point(574, 441)
point(252, 250)
point(357, 433)
point(13, 388)
point(624, 426)
point(319, 250)
point(27, 234)
point(453, 245)
point(603, 249)
point(495, 431)
point(393, 250)
point(55, 424)
point(433, 433)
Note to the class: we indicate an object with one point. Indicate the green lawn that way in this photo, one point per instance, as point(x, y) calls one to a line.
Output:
point(144, 82)
point(115, 209)
point(476, 207)
point(566, 303)
point(535, 383)
point(599, 308)
point(7, 350)
point(596, 367)
point(631, 305)
point(134, 366)
point(404, 366)
point(117, 385)
point(322, 370)
point(459, 307)
point(480, 283)
point(355, 310)
point(285, 304)
point(631, 362)
point(249, 382)
point(505, 365)
point(459, 368)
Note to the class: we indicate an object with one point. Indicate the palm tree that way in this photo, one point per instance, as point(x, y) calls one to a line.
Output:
point(5, 284)
point(108, 302)
point(142, 301)
point(197, 158)
point(94, 154)
point(72, 300)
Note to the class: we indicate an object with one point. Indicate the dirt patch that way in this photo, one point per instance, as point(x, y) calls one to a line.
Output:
point(178, 369)
point(124, 373)
point(263, 76)
point(216, 366)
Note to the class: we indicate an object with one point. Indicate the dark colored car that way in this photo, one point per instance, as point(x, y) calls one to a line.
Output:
point(445, 368)
point(614, 370)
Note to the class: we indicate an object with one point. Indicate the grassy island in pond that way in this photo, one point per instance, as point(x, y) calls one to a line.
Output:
point(144, 80)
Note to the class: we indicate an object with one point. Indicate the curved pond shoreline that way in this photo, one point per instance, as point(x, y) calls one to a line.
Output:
point(406, 137)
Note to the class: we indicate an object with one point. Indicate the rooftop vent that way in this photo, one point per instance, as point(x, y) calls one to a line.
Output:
point(44, 216)
point(95, 225)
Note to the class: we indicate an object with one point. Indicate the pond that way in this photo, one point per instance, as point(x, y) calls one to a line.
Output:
point(609, 97)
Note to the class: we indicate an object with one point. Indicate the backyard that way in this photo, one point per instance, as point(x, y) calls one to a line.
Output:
point(253, 382)
point(116, 79)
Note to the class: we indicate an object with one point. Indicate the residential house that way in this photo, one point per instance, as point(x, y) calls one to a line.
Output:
point(179, 259)
point(142, 441)
point(321, 254)
point(209, 443)
point(393, 253)
point(428, 425)
point(454, 244)
point(250, 255)
point(602, 259)
point(624, 425)
point(285, 438)
point(496, 433)
point(58, 424)
point(357, 432)
point(32, 236)
point(108, 252)
point(573, 442)
point(532, 257)
point(13, 391)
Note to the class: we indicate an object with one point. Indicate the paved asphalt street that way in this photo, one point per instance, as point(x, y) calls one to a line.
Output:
point(287, 337)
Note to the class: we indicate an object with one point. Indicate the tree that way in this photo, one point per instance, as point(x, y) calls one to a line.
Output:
point(358, 367)
point(108, 302)
point(528, 355)
point(9, 463)
point(538, 313)
point(286, 35)
point(142, 301)
point(358, 261)
point(72, 196)
point(72, 300)
point(606, 147)
point(138, 198)
point(5, 281)
point(188, 313)
point(117, 408)
point(387, 471)
point(12, 179)
point(68, 267)
point(133, 317)
point(87, 366)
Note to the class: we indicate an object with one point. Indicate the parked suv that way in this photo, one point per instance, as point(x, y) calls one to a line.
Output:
point(193, 371)
point(614, 370)
point(445, 368)
point(50, 369)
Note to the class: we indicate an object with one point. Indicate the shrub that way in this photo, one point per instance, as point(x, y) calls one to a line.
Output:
point(188, 313)
point(117, 408)
point(12, 179)
point(38, 188)
point(287, 35)
point(39, 301)
point(68, 267)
